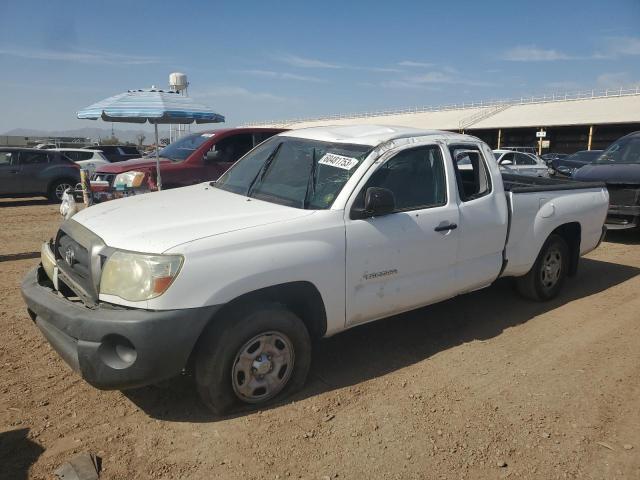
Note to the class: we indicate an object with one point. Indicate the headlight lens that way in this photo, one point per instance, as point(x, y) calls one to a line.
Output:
point(128, 180)
point(136, 277)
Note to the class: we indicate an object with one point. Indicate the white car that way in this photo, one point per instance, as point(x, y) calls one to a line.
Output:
point(312, 232)
point(521, 163)
point(87, 159)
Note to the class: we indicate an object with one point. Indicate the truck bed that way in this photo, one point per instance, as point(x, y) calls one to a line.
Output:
point(539, 205)
point(528, 184)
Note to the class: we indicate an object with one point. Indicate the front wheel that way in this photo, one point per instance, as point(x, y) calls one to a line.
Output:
point(545, 279)
point(58, 187)
point(254, 356)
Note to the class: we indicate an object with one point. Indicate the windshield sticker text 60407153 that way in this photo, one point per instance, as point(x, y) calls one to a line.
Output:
point(334, 160)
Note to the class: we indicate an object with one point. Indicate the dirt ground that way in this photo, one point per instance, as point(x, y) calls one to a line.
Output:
point(483, 386)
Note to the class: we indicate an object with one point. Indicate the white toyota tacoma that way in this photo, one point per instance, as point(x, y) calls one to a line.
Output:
point(312, 232)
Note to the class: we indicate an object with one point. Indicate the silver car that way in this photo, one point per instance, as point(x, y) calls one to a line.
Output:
point(521, 163)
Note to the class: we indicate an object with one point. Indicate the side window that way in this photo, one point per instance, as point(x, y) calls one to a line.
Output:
point(232, 148)
point(80, 156)
point(33, 158)
point(129, 150)
point(472, 173)
point(522, 159)
point(415, 176)
point(507, 159)
point(75, 156)
point(6, 158)
point(260, 137)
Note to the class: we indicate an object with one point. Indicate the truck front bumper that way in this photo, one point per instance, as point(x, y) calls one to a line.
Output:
point(112, 347)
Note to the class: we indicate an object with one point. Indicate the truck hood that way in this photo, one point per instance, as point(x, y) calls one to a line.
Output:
point(609, 173)
point(134, 164)
point(157, 221)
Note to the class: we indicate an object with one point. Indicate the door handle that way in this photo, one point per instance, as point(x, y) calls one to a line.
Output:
point(446, 228)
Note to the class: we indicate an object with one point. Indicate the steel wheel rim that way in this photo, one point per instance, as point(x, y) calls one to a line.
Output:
point(60, 189)
point(262, 367)
point(551, 268)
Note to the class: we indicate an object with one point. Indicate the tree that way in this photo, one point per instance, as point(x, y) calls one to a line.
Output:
point(140, 138)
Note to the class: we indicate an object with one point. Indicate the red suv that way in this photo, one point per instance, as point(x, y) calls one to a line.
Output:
point(194, 158)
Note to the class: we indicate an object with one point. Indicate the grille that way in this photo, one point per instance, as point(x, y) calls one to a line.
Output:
point(75, 256)
point(74, 262)
point(623, 195)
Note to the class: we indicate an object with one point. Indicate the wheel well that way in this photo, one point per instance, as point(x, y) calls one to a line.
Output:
point(571, 233)
point(303, 298)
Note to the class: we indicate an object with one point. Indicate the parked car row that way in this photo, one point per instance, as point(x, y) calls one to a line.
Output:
point(31, 171)
point(207, 155)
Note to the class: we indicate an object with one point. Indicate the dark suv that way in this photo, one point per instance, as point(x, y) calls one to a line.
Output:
point(27, 171)
point(117, 153)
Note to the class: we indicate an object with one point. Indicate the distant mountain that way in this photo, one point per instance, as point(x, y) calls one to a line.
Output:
point(90, 132)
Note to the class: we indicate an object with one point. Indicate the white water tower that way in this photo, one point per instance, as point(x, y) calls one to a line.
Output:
point(178, 83)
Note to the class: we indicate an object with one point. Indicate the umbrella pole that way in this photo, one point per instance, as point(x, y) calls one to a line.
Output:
point(159, 179)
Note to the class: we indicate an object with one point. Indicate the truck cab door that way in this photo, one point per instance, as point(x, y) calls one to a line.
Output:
point(483, 218)
point(404, 259)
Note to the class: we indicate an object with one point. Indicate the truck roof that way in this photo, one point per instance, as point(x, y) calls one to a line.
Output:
point(368, 134)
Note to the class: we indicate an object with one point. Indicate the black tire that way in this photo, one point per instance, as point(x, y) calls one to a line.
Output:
point(54, 194)
point(225, 346)
point(541, 283)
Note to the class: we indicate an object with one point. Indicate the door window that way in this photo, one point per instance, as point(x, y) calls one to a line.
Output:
point(415, 176)
point(7, 158)
point(507, 159)
point(523, 159)
point(472, 173)
point(260, 137)
point(78, 156)
point(232, 148)
point(33, 158)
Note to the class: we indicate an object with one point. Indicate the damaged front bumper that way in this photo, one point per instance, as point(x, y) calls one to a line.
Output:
point(110, 346)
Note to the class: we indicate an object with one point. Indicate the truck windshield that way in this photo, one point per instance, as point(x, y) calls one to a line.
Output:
point(625, 150)
point(182, 148)
point(295, 172)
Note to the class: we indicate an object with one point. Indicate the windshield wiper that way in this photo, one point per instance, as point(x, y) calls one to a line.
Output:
point(311, 184)
point(263, 170)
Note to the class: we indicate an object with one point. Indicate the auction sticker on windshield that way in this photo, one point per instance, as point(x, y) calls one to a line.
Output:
point(339, 161)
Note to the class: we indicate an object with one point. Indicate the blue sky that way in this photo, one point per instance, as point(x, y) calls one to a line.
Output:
point(273, 60)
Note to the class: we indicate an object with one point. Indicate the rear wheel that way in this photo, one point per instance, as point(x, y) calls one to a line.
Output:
point(545, 279)
point(255, 356)
point(58, 187)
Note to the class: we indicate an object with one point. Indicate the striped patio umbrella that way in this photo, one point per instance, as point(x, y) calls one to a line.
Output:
point(153, 106)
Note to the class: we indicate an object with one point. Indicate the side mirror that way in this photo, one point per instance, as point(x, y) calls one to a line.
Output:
point(211, 156)
point(377, 202)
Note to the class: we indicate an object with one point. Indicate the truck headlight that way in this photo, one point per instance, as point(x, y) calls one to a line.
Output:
point(128, 180)
point(136, 277)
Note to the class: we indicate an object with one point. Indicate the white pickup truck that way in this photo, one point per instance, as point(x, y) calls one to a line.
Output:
point(313, 232)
